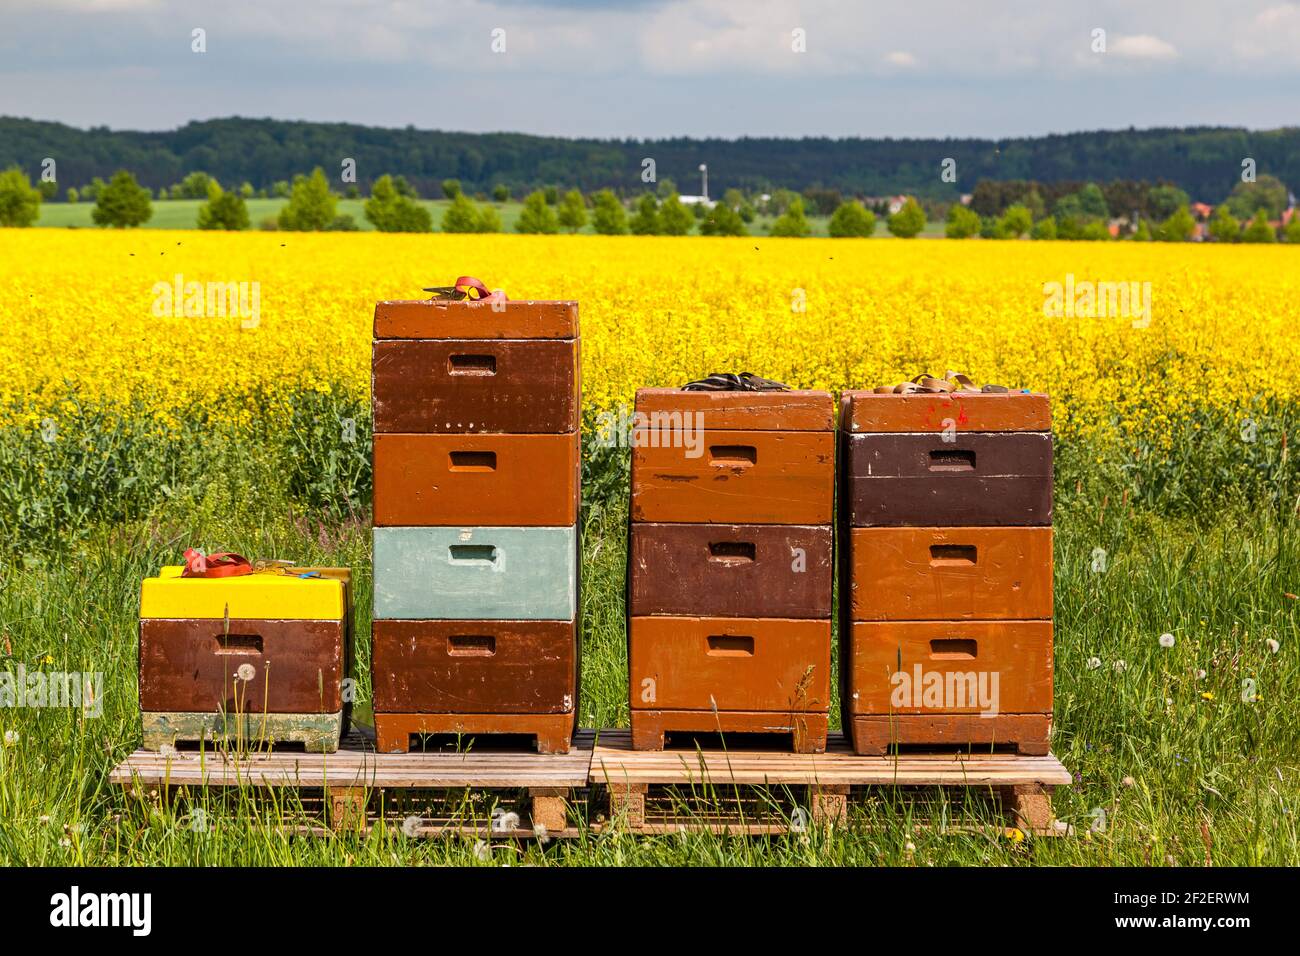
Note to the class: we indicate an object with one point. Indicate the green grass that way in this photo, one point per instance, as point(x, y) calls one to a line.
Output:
point(183, 214)
point(1181, 766)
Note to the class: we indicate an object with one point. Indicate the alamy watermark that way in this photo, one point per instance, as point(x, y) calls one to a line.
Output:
point(624, 428)
point(1086, 299)
point(945, 690)
point(180, 299)
point(39, 689)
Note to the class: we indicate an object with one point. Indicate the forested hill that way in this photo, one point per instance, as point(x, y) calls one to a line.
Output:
point(1206, 162)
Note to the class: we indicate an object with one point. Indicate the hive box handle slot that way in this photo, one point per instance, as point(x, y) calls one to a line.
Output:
point(734, 456)
point(471, 645)
point(952, 459)
point(473, 461)
point(473, 554)
point(952, 555)
point(730, 645)
point(239, 644)
point(472, 364)
point(732, 552)
point(952, 649)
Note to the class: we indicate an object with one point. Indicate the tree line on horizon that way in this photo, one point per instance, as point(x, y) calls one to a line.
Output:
point(1205, 162)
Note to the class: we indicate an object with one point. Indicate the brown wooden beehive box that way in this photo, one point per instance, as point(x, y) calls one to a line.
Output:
point(731, 564)
point(476, 470)
point(946, 570)
point(261, 656)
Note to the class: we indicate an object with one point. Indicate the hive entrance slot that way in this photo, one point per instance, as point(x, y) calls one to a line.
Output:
point(471, 645)
point(732, 552)
point(473, 461)
point(735, 456)
point(731, 645)
point(472, 364)
point(473, 554)
point(950, 555)
point(239, 644)
point(952, 459)
point(952, 649)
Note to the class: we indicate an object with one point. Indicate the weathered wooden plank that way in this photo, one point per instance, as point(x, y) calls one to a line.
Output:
point(876, 733)
point(316, 732)
point(552, 733)
point(794, 411)
point(717, 570)
point(931, 574)
point(465, 319)
point(476, 573)
point(958, 411)
point(807, 730)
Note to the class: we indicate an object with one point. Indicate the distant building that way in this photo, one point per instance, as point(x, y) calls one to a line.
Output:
point(698, 201)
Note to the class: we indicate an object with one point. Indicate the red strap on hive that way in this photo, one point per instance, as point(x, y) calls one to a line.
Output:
point(473, 288)
point(223, 564)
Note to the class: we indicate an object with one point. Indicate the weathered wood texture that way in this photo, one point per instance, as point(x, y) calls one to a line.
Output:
point(448, 319)
point(246, 666)
point(1009, 661)
point(509, 386)
point(807, 731)
point(927, 574)
point(475, 666)
point(475, 573)
point(978, 478)
point(754, 477)
point(318, 733)
point(615, 762)
point(1030, 734)
point(792, 411)
point(551, 733)
point(729, 664)
point(521, 480)
point(716, 570)
point(957, 412)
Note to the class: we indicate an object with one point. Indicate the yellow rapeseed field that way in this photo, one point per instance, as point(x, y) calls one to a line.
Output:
point(80, 307)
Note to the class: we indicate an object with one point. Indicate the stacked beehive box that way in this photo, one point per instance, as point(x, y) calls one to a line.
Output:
point(946, 569)
point(476, 462)
point(730, 568)
point(250, 659)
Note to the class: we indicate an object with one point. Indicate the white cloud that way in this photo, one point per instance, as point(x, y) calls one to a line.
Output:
point(1143, 46)
point(900, 58)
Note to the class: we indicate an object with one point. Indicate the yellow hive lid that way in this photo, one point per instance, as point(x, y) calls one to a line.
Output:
point(263, 595)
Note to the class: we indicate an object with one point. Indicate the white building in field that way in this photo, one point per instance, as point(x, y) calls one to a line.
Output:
point(705, 201)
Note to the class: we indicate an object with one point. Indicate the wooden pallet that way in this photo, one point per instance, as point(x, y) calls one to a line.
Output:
point(316, 732)
point(361, 785)
point(802, 732)
point(635, 780)
point(737, 791)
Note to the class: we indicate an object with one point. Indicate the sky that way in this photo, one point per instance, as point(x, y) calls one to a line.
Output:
point(658, 68)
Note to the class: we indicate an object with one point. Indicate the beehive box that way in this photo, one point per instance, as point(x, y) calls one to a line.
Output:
point(476, 470)
point(258, 657)
point(730, 566)
point(946, 570)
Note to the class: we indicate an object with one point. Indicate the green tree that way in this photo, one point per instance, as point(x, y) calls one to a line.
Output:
point(1095, 231)
point(20, 201)
point(1015, 222)
point(312, 207)
point(223, 210)
point(852, 220)
point(645, 222)
point(1177, 228)
point(552, 195)
point(572, 211)
point(1165, 200)
point(1223, 225)
point(48, 189)
point(122, 203)
point(1143, 232)
point(73, 195)
point(351, 191)
point(1045, 228)
point(1291, 231)
point(608, 216)
point(792, 223)
point(280, 189)
point(246, 190)
point(461, 216)
point(537, 217)
point(963, 222)
point(451, 188)
point(666, 187)
point(195, 185)
point(501, 192)
point(391, 211)
point(1092, 201)
point(908, 221)
point(674, 218)
point(1266, 192)
point(1259, 229)
point(404, 187)
point(722, 221)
